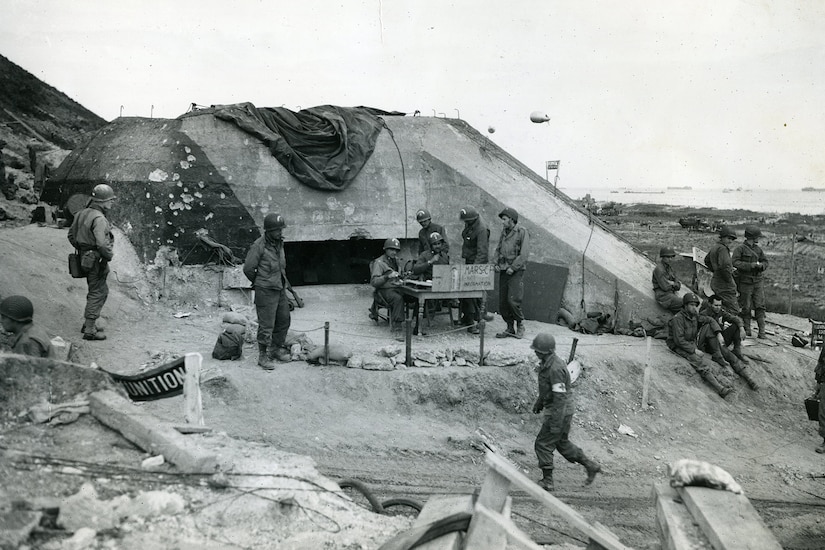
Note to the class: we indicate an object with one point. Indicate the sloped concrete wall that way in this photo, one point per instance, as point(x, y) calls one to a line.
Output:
point(177, 176)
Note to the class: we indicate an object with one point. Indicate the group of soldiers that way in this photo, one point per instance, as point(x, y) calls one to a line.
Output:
point(509, 258)
point(738, 289)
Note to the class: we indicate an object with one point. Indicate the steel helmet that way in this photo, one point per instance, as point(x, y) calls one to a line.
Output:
point(468, 214)
point(17, 308)
point(752, 232)
point(102, 192)
point(544, 343)
point(510, 213)
point(436, 237)
point(726, 231)
point(274, 221)
point(392, 243)
point(667, 252)
point(422, 215)
point(690, 298)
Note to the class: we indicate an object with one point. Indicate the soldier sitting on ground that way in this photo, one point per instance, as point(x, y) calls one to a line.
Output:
point(714, 338)
point(665, 283)
point(681, 339)
point(16, 313)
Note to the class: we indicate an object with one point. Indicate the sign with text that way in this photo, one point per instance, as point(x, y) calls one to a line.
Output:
point(463, 277)
point(156, 383)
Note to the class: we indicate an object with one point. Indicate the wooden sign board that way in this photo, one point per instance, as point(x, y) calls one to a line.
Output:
point(463, 277)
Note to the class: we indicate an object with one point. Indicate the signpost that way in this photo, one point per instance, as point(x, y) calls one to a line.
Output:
point(456, 277)
point(552, 165)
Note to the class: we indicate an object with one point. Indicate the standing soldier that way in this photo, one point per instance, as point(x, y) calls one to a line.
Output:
point(750, 263)
point(265, 267)
point(91, 235)
point(428, 227)
point(475, 240)
point(511, 261)
point(665, 283)
point(556, 400)
point(718, 260)
point(819, 373)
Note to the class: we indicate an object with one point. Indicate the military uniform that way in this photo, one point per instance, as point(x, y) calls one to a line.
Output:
point(708, 341)
point(718, 260)
point(386, 287)
point(750, 263)
point(91, 234)
point(665, 285)
point(819, 373)
point(681, 339)
point(265, 267)
point(31, 340)
point(475, 238)
point(424, 237)
point(512, 253)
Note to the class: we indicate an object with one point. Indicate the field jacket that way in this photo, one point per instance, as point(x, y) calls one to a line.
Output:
point(664, 279)
point(424, 236)
point(744, 260)
point(555, 394)
point(718, 260)
point(475, 245)
point(380, 269)
point(684, 328)
point(91, 230)
point(512, 250)
point(265, 264)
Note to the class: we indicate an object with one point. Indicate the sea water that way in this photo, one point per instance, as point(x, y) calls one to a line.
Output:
point(777, 201)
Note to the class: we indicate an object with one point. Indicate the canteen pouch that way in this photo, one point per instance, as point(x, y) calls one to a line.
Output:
point(88, 259)
point(75, 269)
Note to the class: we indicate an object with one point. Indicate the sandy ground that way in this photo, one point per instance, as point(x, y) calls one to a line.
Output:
point(413, 432)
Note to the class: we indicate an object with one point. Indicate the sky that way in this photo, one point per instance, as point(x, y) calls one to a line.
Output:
point(641, 94)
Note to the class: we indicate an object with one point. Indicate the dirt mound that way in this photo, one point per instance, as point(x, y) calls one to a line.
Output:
point(414, 432)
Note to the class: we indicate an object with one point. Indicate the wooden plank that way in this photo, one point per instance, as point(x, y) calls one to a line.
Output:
point(150, 434)
point(440, 507)
point(728, 520)
point(595, 531)
point(192, 401)
point(514, 535)
point(677, 530)
point(646, 377)
point(484, 533)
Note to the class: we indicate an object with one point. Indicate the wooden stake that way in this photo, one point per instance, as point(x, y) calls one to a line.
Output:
point(193, 406)
point(646, 381)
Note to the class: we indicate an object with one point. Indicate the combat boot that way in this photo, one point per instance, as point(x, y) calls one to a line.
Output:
point(520, 330)
point(760, 322)
point(821, 448)
point(91, 332)
point(546, 482)
point(263, 361)
point(737, 351)
point(723, 391)
point(592, 468)
point(509, 331)
point(746, 323)
point(280, 354)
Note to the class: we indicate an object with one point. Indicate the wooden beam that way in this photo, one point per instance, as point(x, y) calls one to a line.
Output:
point(728, 520)
point(514, 535)
point(677, 530)
point(595, 531)
point(151, 434)
point(438, 507)
point(482, 532)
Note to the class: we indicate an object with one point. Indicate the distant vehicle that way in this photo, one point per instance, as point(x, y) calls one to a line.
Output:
point(695, 224)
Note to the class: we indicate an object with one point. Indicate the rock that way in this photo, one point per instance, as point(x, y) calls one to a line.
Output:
point(377, 363)
point(460, 362)
point(152, 462)
point(337, 353)
point(83, 509)
point(390, 351)
point(355, 362)
point(83, 538)
point(426, 357)
point(420, 363)
point(498, 357)
point(151, 504)
point(16, 526)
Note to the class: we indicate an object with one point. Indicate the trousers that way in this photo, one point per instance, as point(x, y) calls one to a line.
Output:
point(550, 438)
point(272, 307)
point(511, 295)
point(98, 289)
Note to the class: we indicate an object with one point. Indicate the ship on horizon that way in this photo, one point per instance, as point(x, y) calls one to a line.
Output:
point(683, 187)
point(813, 188)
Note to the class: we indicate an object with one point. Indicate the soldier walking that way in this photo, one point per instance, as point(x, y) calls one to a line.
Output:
point(556, 400)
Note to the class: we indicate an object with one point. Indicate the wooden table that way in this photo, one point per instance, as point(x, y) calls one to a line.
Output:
point(423, 293)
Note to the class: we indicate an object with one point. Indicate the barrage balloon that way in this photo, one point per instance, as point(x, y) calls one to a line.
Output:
point(491, 130)
point(538, 117)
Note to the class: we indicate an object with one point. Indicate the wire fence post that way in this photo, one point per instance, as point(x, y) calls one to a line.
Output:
point(408, 340)
point(326, 342)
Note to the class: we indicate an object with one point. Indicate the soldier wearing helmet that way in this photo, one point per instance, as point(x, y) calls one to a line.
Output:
point(665, 282)
point(265, 267)
point(682, 338)
point(715, 337)
point(719, 262)
point(385, 277)
point(436, 253)
point(510, 261)
point(91, 235)
point(428, 227)
point(16, 316)
point(750, 263)
point(475, 239)
point(556, 400)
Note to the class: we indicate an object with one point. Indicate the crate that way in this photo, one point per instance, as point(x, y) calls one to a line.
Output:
point(817, 334)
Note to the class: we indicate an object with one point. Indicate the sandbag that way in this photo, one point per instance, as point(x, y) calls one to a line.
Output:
point(228, 346)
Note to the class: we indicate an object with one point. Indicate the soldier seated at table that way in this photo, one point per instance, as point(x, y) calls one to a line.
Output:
point(422, 269)
point(385, 277)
